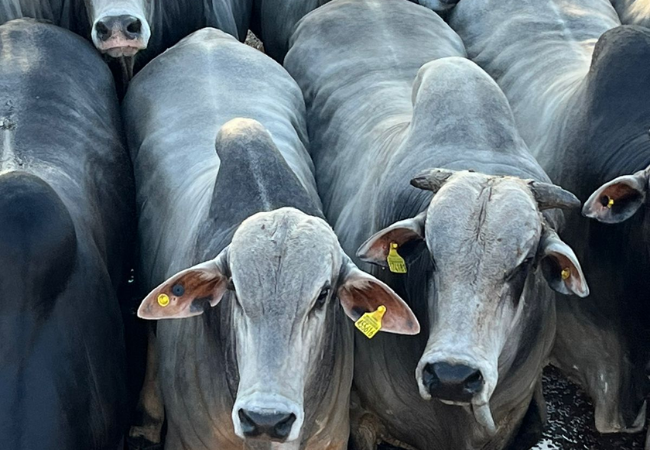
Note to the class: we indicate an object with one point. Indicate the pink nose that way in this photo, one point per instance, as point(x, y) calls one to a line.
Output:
point(128, 26)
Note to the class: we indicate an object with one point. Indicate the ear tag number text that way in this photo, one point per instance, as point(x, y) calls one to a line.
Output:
point(370, 323)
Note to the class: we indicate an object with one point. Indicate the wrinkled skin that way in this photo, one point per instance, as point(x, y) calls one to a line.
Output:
point(576, 81)
point(476, 245)
point(268, 286)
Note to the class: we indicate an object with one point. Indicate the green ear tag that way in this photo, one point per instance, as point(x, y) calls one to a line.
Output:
point(370, 323)
point(396, 263)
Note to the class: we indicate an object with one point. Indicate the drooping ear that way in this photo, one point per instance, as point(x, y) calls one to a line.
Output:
point(432, 179)
point(190, 292)
point(560, 266)
point(550, 196)
point(618, 200)
point(360, 293)
point(375, 250)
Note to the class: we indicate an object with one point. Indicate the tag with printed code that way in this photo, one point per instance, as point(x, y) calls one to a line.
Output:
point(396, 263)
point(370, 323)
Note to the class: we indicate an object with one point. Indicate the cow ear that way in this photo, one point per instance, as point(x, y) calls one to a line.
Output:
point(375, 250)
point(361, 293)
point(618, 200)
point(560, 266)
point(190, 292)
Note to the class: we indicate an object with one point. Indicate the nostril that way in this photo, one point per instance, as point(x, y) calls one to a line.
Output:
point(429, 377)
point(135, 27)
point(283, 428)
point(474, 382)
point(249, 428)
point(103, 32)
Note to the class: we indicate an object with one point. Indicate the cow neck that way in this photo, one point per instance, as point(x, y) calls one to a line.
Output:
point(617, 95)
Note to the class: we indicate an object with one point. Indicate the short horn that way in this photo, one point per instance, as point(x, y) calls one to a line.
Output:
point(550, 196)
point(432, 179)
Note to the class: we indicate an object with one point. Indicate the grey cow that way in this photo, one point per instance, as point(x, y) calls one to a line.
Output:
point(579, 87)
point(391, 98)
point(263, 354)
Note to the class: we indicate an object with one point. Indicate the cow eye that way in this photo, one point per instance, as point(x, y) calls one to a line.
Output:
point(322, 297)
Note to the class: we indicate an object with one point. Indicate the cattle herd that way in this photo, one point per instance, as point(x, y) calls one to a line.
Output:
point(380, 231)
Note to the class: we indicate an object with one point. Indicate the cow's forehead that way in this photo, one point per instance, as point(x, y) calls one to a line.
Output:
point(476, 215)
point(284, 247)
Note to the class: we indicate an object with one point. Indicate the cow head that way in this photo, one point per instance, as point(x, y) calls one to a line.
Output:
point(287, 275)
point(120, 28)
point(487, 240)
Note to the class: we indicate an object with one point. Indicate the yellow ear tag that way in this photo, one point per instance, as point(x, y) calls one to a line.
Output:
point(370, 323)
point(163, 300)
point(566, 273)
point(610, 203)
point(396, 263)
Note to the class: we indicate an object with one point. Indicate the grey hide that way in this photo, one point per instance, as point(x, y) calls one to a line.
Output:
point(579, 87)
point(272, 361)
point(64, 13)
point(274, 21)
point(633, 12)
point(390, 98)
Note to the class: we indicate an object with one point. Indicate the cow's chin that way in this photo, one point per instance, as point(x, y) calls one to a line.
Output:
point(121, 52)
point(609, 421)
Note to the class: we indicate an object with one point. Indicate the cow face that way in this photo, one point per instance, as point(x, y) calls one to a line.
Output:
point(487, 240)
point(287, 274)
point(120, 28)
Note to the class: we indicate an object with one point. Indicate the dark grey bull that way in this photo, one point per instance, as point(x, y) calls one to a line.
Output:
point(268, 361)
point(66, 225)
point(389, 94)
point(579, 87)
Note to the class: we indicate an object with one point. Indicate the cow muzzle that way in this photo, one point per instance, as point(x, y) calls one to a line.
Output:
point(272, 419)
point(452, 383)
point(122, 35)
point(457, 381)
